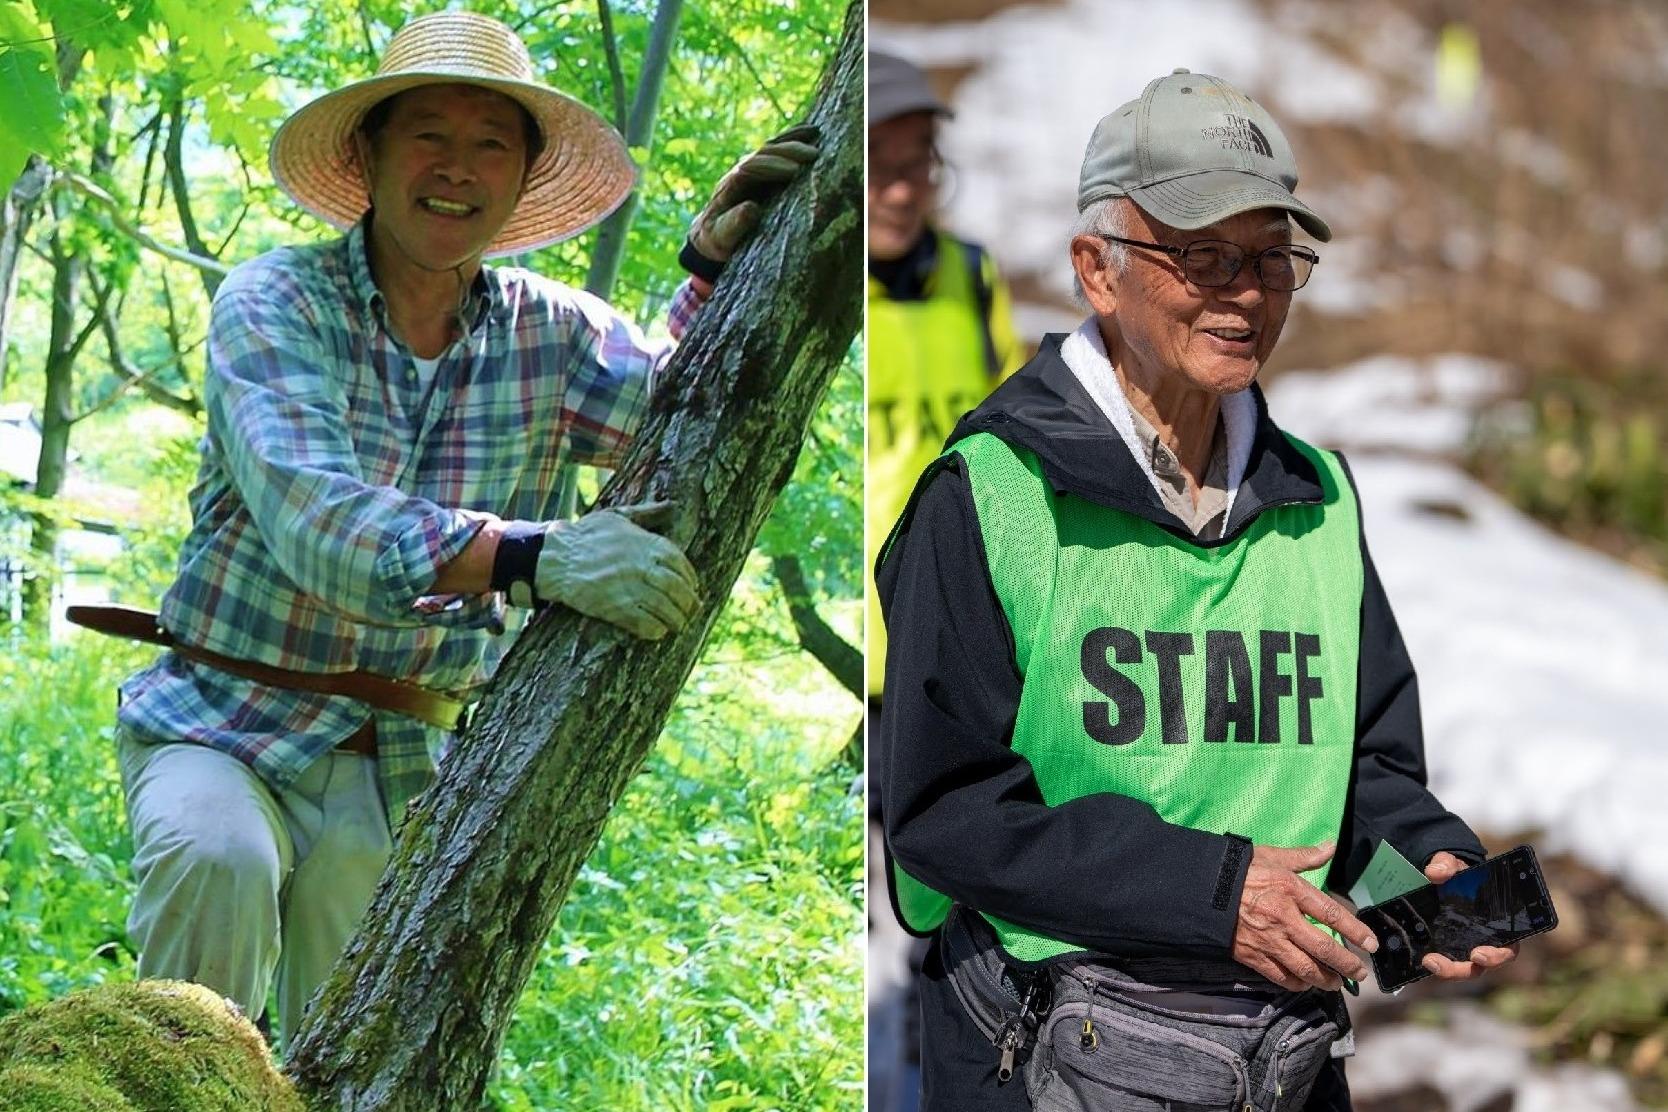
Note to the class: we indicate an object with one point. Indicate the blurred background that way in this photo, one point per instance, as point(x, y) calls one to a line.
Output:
point(1487, 338)
point(709, 955)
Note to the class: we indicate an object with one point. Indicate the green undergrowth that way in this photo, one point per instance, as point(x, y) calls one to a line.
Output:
point(709, 956)
point(1589, 457)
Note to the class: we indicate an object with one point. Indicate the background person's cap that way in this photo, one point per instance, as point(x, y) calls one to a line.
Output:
point(1192, 150)
point(897, 88)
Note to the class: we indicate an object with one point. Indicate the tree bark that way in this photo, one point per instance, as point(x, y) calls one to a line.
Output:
point(64, 344)
point(17, 212)
point(56, 421)
point(414, 1015)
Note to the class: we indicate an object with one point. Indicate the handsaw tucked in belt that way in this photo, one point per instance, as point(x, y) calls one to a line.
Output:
point(437, 708)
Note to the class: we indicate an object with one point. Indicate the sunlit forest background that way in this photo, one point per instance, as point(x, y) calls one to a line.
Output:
point(709, 956)
point(1486, 337)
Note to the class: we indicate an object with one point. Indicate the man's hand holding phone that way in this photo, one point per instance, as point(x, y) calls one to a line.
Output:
point(1443, 865)
point(1274, 935)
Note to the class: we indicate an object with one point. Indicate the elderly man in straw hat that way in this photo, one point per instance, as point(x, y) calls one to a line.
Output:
point(386, 420)
point(1145, 695)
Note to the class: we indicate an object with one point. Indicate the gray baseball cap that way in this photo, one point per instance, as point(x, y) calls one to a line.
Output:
point(1192, 150)
point(897, 88)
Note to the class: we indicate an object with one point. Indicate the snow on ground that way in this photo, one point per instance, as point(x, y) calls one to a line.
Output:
point(1543, 666)
point(1496, 1061)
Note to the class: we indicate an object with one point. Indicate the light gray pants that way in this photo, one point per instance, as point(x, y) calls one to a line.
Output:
point(238, 884)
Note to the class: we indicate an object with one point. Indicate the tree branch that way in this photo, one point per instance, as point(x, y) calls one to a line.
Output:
point(611, 233)
point(131, 377)
point(236, 224)
point(522, 24)
point(843, 661)
point(173, 162)
point(741, 56)
point(365, 28)
point(175, 342)
point(616, 76)
point(154, 127)
point(93, 192)
point(87, 330)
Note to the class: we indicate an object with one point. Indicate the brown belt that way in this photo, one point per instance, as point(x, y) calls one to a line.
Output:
point(361, 742)
point(437, 708)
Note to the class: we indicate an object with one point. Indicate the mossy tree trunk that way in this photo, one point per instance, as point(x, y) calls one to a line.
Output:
point(415, 1013)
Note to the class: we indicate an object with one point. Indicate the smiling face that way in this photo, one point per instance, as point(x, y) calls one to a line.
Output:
point(444, 170)
point(1159, 326)
point(901, 190)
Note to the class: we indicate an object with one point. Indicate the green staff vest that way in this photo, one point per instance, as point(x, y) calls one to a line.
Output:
point(1215, 683)
point(926, 367)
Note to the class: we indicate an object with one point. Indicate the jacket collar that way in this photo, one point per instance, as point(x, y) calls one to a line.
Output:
point(909, 277)
point(1045, 410)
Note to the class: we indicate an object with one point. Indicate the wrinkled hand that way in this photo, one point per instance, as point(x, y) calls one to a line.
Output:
point(737, 203)
point(1483, 958)
point(607, 565)
point(1273, 936)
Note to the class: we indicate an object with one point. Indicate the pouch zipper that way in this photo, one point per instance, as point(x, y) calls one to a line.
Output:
point(1015, 1032)
point(1087, 1038)
point(1226, 1056)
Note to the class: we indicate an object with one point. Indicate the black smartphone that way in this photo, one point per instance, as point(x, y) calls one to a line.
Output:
point(1493, 904)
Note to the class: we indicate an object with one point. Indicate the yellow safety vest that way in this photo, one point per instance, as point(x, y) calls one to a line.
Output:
point(927, 366)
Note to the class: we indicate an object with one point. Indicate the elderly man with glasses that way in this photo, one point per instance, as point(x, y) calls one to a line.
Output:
point(1145, 697)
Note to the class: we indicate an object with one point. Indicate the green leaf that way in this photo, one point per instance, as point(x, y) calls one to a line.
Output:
point(93, 24)
point(34, 117)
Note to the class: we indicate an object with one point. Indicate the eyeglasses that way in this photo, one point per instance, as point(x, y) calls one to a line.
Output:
point(1216, 262)
point(925, 169)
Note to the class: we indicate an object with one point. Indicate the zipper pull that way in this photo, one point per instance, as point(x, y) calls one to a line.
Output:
point(1279, 1082)
point(1007, 1041)
point(1088, 1040)
point(1017, 1031)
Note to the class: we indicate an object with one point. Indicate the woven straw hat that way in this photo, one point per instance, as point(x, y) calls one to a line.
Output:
point(581, 176)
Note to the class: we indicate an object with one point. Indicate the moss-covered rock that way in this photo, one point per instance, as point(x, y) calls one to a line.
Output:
point(154, 1046)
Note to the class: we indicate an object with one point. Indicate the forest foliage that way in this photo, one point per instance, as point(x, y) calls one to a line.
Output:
point(709, 956)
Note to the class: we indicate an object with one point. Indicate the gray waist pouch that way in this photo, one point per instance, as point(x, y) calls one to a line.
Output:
point(1143, 1036)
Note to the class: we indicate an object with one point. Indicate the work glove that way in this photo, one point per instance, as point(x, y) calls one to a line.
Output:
point(607, 565)
point(738, 202)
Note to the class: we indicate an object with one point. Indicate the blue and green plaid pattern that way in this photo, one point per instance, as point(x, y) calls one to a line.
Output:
point(333, 488)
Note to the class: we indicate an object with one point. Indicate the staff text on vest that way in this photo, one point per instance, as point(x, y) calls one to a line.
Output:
point(1231, 702)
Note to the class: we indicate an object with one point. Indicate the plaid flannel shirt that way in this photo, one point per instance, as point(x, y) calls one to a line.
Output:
point(333, 488)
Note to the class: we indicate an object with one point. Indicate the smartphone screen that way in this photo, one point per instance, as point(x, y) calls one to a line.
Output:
point(1493, 904)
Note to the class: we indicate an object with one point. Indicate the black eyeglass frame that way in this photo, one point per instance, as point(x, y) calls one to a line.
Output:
point(1180, 255)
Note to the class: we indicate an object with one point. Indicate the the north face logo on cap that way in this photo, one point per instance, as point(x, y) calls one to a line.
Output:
point(1240, 134)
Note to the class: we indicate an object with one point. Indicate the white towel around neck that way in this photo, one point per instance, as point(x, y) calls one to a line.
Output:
point(1085, 353)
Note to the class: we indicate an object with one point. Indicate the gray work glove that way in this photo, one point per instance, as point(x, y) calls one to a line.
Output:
point(607, 565)
point(737, 203)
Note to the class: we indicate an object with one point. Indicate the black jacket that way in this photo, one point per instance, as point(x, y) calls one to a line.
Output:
point(962, 810)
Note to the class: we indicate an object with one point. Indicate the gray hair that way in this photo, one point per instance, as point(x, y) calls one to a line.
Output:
point(1108, 216)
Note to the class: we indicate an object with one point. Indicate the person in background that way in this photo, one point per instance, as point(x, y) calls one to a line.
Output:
point(940, 335)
